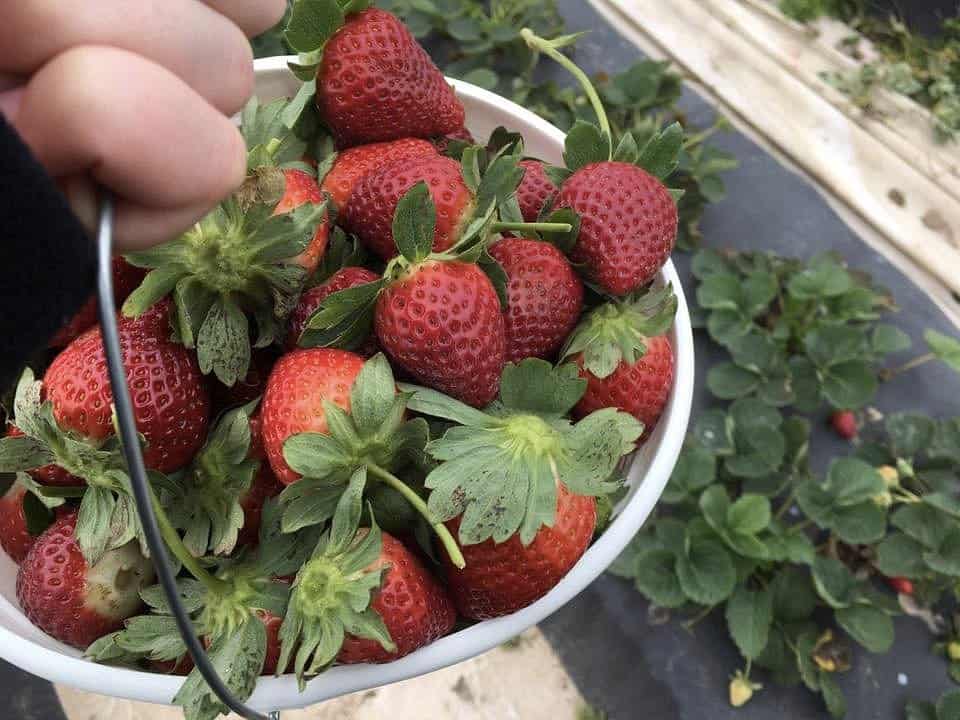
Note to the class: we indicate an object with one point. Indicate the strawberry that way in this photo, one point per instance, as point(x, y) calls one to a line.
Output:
point(544, 297)
point(441, 322)
point(461, 135)
point(249, 387)
point(374, 82)
point(622, 352)
point(627, 217)
point(350, 166)
point(313, 298)
point(75, 602)
point(16, 537)
point(370, 212)
point(844, 423)
point(236, 275)
point(414, 607)
point(536, 190)
point(502, 578)
point(265, 485)
point(126, 278)
point(512, 486)
point(171, 404)
point(293, 403)
point(901, 585)
point(641, 389)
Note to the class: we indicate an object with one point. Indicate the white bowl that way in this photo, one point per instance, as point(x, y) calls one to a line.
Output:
point(29, 648)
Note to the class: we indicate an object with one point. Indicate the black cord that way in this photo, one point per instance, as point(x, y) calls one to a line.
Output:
point(138, 476)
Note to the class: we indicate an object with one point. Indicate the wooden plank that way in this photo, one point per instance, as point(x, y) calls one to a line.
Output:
point(524, 680)
point(843, 157)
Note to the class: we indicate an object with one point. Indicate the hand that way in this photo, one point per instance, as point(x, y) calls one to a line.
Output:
point(135, 96)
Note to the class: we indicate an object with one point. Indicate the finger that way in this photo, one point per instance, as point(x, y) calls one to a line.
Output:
point(134, 126)
point(253, 16)
point(193, 41)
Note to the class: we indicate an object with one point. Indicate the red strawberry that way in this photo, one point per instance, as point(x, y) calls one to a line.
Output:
point(535, 191)
point(265, 486)
point(369, 214)
point(293, 403)
point(901, 585)
point(442, 322)
point(844, 424)
point(15, 539)
point(311, 300)
point(544, 297)
point(376, 83)
point(628, 224)
point(501, 579)
point(272, 623)
point(126, 278)
point(249, 387)
point(302, 188)
point(415, 608)
point(48, 474)
point(352, 165)
point(641, 389)
point(170, 400)
point(71, 601)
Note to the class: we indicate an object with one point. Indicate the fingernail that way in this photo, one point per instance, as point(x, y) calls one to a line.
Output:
point(10, 103)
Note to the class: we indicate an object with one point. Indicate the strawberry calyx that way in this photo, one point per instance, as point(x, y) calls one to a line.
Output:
point(373, 440)
point(333, 592)
point(106, 518)
point(500, 469)
point(617, 331)
point(204, 500)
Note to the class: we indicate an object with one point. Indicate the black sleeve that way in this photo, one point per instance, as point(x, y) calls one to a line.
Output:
point(47, 261)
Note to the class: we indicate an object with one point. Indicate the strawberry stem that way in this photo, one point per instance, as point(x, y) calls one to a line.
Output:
point(549, 48)
point(531, 227)
point(448, 541)
point(175, 543)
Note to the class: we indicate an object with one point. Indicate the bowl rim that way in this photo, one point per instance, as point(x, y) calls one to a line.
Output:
point(281, 693)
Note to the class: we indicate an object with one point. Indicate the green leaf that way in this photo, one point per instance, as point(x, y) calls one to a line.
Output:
point(834, 344)
point(23, 453)
point(909, 434)
point(430, 402)
point(714, 431)
point(627, 150)
point(656, 579)
point(925, 524)
point(720, 291)
point(706, 572)
point(870, 627)
point(898, 555)
point(860, 524)
point(715, 505)
point(414, 222)
point(749, 617)
point(822, 279)
point(223, 343)
point(946, 559)
point(793, 593)
point(851, 481)
point(661, 155)
point(315, 455)
point(756, 352)
point(483, 77)
point(917, 710)
point(946, 349)
point(749, 514)
point(346, 518)
point(696, 468)
point(93, 531)
point(834, 582)
point(585, 144)
point(155, 286)
point(536, 386)
point(727, 381)
point(312, 23)
point(832, 695)
point(948, 707)
point(372, 395)
point(849, 385)
point(762, 456)
point(888, 339)
point(945, 503)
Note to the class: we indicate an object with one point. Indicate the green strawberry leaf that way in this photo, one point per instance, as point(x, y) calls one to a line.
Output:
point(946, 559)
point(832, 695)
point(924, 523)
point(898, 555)
point(23, 453)
point(706, 572)
point(312, 23)
point(867, 625)
point(889, 339)
point(794, 597)
point(537, 387)
point(155, 637)
point(661, 155)
point(834, 582)
point(656, 578)
point(190, 591)
point(344, 319)
point(413, 223)
point(945, 348)
point(585, 144)
point(749, 616)
point(565, 242)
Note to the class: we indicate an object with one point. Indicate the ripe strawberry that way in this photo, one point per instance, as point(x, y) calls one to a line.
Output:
point(641, 389)
point(376, 83)
point(415, 608)
point(48, 474)
point(535, 191)
point(369, 214)
point(272, 623)
point(502, 578)
point(15, 539)
point(441, 321)
point(301, 189)
point(250, 386)
point(628, 224)
point(293, 403)
point(170, 402)
point(71, 601)
point(311, 300)
point(126, 278)
point(265, 486)
point(901, 585)
point(352, 165)
point(544, 297)
point(844, 424)
point(443, 142)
